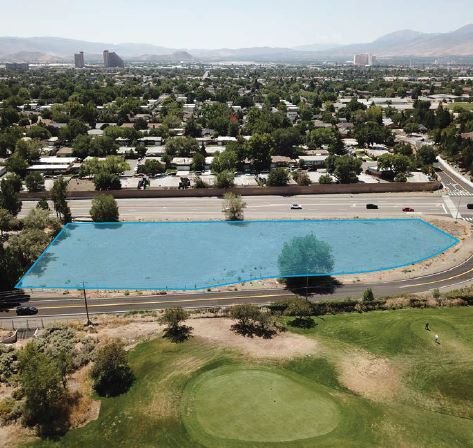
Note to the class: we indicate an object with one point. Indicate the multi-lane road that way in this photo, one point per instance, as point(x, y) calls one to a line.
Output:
point(452, 201)
point(272, 207)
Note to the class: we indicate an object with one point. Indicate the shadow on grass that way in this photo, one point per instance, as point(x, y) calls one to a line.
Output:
point(303, 322)
point(180, 333)
point(312, 285)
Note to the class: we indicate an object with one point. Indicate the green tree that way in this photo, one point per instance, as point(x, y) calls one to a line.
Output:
point(233, 207)
point(104, 208)
point(173, 319)
point(105, 181)
point(181, 146)
point(9, 198)
point(34, 182)
point(111, 374)
point(151, 167)
point(302, 310)
point(345, 168)
point(45, 403)
point(326, 136)
point(224, 161)
point(18, 165)
point(198, 162)
point(259, 151)
point(304, 256)
point(426, 155)
point(7, 221)
point(59, 198)
point(278, 177)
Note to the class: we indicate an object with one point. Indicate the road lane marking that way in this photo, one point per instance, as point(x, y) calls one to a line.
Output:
point(161, 302)
point(439, 281)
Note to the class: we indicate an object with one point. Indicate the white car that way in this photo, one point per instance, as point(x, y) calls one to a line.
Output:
point(296, 207)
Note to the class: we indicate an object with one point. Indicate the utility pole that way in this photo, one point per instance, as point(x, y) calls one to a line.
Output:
point(89, 322)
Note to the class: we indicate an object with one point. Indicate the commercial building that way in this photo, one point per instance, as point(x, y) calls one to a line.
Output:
point(79, 60)
point(17, 66)
point(112, 60)
point(364, 60)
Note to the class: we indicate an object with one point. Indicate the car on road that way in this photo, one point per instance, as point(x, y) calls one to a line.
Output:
point(408, 210)
point(296, 207)
point(372, 207)
point(26, 310)
point(469, 206)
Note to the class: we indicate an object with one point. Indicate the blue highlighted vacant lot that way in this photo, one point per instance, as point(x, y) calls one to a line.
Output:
point(196, 255)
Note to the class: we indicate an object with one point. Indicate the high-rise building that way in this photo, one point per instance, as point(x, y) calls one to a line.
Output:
point(364, 60)
point(79, 60)
point(112, 60)
point(17, 66)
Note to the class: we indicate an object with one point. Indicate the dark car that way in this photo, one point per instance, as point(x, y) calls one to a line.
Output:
point(372, 207)
point(469, 206)
point(408, 210)
point(26, 310)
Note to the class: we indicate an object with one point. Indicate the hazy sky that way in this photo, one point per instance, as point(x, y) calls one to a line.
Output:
point(229, 23)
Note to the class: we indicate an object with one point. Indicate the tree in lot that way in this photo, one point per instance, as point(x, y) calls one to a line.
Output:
point(9, 199)
point(59, 198)
point(426, 155)
point(111, 374)
point(369, 133)
point(105, 181)
point(34, 182)
point(104, 208)
point(233, 206)
point(225, 179)
point(224, 161)
point(45, 404)
point(325, 179)
point(173, 319)
point(345, 168)
point(326, 136)
point(278, 177)
point(18, 165)
point(198, 162)
point(285, 139)
point(251, 321)
point(181, 146)
point(151, 167)
point(301, 178)
point(302, 311)
point(305, 255)
point(395, 166)
point(259, 151)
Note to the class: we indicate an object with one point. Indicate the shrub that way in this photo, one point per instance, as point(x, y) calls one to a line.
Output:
point(368, 295)
point(225, 179)
point(111, 375)
point(278, 177)
point(10, 410)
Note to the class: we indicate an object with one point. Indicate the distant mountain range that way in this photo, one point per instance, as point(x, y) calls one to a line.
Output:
point(405, 43)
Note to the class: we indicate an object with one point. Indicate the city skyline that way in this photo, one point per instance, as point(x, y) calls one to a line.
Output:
point(211, 24)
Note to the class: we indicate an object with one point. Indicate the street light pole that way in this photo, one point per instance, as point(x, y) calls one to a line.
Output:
point(89, 323)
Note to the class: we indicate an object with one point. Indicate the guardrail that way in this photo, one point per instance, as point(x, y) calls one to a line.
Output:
point(289, 190)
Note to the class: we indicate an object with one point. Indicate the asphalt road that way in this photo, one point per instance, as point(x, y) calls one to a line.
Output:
point(269, 207)
point(455, 197)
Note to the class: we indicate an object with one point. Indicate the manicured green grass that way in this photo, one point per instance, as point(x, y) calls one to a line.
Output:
point(250, 404)
point(198, 395)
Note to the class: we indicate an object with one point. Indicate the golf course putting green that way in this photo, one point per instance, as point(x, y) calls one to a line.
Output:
point(257, 405)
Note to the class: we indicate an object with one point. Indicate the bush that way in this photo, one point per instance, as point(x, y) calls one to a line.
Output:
point(302, 179)
point(10, 410)
point(34, 182)
point(325, 179)
point(225, 179)
point(111, 375)
point(278, 177)
point(368, 295)
point(199, 183)
point(107, 181)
